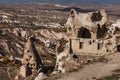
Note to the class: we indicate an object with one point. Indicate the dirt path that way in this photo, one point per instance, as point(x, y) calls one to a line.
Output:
point(96, 71)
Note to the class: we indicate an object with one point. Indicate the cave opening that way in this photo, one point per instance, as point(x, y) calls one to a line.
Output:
point(84, 33)
point(118, 48)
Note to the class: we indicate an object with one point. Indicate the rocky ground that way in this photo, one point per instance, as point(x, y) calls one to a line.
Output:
point(97, 71)
point(46, 22)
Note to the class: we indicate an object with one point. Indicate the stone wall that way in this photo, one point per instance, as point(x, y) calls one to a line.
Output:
point(93, 46)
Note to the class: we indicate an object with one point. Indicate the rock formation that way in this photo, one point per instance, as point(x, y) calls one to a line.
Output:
point(65, 62)
point(87, 25)
point(87, 33)
point(31, 60)
point(41, 76)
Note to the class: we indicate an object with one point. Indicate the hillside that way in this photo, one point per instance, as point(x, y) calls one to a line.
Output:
point(45, 22)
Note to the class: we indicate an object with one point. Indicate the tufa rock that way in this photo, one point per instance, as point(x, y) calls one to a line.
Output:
point(31, 59)
point(41, 76)
point(87, 25)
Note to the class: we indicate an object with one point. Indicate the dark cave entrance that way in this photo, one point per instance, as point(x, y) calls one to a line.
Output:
point(84, 33)
point(101, 31)
point(118, 48)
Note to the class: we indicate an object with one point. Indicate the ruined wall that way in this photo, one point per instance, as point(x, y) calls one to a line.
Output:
point(92, 46)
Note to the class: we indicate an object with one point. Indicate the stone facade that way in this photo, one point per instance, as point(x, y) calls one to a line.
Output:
point(91, 46)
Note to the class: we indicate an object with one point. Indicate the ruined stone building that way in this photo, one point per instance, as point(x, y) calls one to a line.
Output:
point(88, 31)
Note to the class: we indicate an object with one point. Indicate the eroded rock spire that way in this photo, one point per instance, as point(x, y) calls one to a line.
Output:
point(31, 60)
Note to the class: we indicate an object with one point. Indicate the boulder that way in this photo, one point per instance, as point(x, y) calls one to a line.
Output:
point(41, 76)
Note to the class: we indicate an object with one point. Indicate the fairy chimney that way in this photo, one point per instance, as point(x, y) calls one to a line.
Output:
point(31, 59)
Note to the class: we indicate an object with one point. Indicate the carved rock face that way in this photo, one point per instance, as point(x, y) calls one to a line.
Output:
point(28, 58)
point(65, 61)
point(115, 27)
point(31, 60)
point(90, 21)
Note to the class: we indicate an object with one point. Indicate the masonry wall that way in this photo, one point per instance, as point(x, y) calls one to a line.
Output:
point(84, 46)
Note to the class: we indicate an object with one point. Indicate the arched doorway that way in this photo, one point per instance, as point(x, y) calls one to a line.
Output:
point(84, 33)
